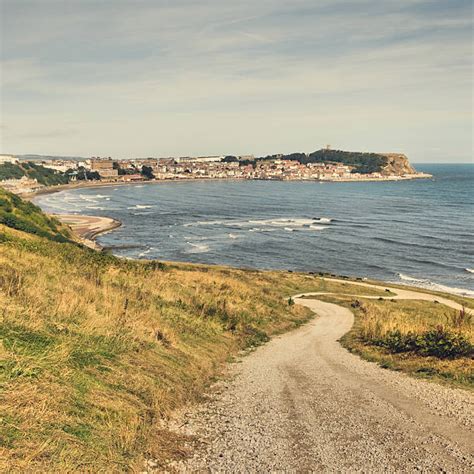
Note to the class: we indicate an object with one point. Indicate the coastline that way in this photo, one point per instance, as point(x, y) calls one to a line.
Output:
point(87, 228)
point(89, 184)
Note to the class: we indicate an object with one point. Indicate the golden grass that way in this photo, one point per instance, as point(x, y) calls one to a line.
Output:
point(96, 351)
point(376, 319)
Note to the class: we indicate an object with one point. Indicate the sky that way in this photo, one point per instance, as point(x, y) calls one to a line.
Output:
point(185, 78)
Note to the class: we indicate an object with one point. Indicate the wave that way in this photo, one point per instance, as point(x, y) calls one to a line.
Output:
point(431, 285)
point(144, 253)
point(140, 206)
point(232, 236)
point(198, 248)
point(203, 223)
point(409, 278)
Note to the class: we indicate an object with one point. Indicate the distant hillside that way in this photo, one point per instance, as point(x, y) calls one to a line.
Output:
point(49, 157)
point(45, 176)
point(25, 216)
point(385, 163)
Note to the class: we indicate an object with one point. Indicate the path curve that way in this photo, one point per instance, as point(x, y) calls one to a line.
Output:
point(302, 403)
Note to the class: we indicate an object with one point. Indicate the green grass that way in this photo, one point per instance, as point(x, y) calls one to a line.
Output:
point(43, 175)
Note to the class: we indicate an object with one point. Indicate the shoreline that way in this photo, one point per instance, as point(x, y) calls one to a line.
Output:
point(88, 228)
point(88, 184)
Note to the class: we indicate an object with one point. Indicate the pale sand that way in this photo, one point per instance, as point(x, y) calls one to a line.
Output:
point(87, 228)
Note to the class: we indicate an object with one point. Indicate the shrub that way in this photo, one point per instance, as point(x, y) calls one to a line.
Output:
point(444, 344)
point(438, 342)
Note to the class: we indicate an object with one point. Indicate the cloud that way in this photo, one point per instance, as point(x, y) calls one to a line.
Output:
point(113, 69)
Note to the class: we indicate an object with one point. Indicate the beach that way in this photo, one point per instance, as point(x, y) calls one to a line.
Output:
point(87, 228)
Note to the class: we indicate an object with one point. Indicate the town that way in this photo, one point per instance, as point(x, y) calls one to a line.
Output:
point(246, 167)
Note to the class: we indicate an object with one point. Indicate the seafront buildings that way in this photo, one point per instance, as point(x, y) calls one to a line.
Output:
point(108, 170)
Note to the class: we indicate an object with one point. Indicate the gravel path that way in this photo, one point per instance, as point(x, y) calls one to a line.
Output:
point(302, 403)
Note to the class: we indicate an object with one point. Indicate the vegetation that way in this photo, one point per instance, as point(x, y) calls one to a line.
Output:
point(45, 176)
point(24, 215)
point(147, 172)
point(419, 337)
point(95, 351)
point(83, 174)
point(362, 162)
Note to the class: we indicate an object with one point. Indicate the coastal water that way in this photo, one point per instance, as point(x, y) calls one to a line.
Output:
point(419, 232)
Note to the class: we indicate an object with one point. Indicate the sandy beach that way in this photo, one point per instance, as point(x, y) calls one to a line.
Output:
point(87, 228)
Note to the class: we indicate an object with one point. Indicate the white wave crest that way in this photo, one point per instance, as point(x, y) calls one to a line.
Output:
point(409, 278)
point(430, 285)
point(140, 206)
point(198, 248)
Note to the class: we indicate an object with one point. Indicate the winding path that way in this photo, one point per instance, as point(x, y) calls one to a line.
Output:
point(302, 403)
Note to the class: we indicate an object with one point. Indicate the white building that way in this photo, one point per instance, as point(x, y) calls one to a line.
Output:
point(8, 159)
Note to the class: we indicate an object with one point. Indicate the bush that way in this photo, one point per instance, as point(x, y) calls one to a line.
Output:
point(444, 344)
point(438, 342)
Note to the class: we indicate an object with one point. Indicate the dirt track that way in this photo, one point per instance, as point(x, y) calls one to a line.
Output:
point(303, 403)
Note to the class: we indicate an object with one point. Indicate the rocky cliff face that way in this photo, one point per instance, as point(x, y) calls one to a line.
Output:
point(398, 164)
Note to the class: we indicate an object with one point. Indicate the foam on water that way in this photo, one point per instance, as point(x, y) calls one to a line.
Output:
point(430, 285)
point(198, 248)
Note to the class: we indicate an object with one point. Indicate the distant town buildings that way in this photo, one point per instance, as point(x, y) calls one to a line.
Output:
point(187, 168)
point(8, 159)
point(21, 185)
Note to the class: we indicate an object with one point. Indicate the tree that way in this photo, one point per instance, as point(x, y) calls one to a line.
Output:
point(147, 171)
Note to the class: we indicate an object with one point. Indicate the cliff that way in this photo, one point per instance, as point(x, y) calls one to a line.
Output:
point(397, 164)
point(361, 162)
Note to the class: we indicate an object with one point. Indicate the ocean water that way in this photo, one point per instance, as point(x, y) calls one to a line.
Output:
point(420, 232)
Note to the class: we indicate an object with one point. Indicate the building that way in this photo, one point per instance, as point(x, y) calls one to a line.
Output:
point(8, 159)
point(108, 173)
point(101, 164)
point(21, 185)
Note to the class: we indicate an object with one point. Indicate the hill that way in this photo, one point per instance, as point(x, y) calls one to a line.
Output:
point(97, 351)
point(385, 163)
point(43, 175)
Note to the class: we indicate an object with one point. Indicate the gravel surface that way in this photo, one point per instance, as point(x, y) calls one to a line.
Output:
point(303, 403)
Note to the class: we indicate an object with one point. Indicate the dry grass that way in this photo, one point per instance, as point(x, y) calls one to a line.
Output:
point(96, 351)
point(377, 321)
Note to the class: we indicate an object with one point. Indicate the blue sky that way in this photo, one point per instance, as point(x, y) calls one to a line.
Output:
point(181, 77)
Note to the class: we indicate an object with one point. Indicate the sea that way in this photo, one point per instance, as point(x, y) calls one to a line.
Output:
point(419, 232)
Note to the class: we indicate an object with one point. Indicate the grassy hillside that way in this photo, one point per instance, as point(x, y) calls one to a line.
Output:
point(421, 338)
point(96, 351)
point(24, 215)
point(45, 176)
